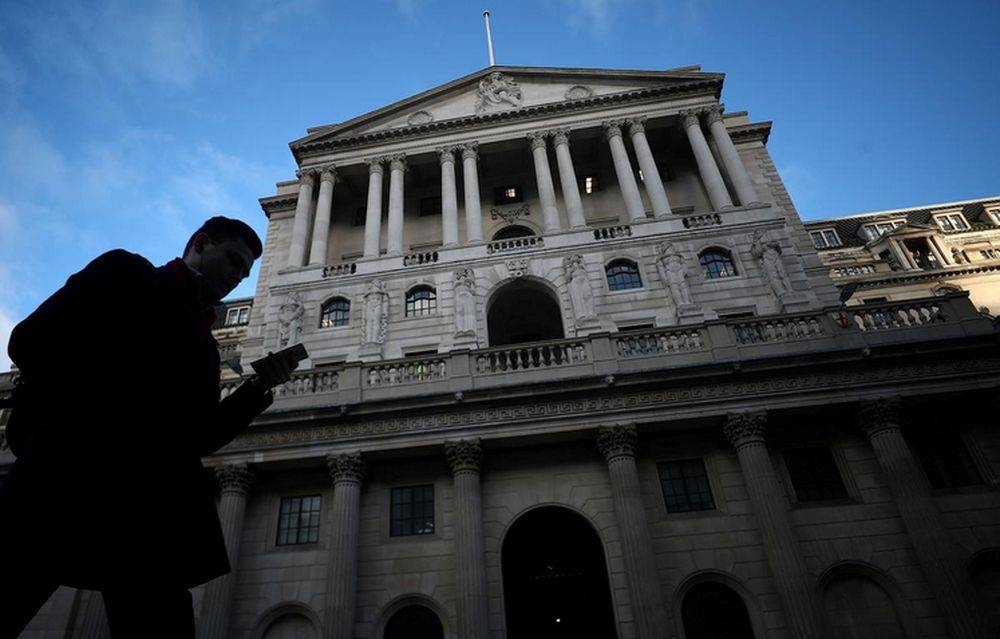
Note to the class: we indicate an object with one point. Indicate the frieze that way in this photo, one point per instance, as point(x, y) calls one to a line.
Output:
point(510, 215)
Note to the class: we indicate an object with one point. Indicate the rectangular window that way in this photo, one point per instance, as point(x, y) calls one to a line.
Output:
point(507, 194)
point(994, 215)
point(238, 316)
point(685, 486)
point(951, 222)
point(878, 229)
point(588, 184)
point(814, 474)
point(412, 511)
point(945, 459)
point(298, 520)
point(824, 238)
point(430, 206)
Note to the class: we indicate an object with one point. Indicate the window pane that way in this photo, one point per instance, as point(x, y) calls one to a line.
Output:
point(336, 312)
point(814, 474)
point(298, 522)
point(411, 511)
point(685, 486)
point(717, 264)
point(831, 238)
point(421, 301)
point(817, 239)
point(623, 275)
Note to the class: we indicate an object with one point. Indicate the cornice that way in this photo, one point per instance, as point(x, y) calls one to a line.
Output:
point(754, 132)
point(276, 203)
point(919, 276)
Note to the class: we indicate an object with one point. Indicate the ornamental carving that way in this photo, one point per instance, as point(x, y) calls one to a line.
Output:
point(376, 313)
point(420, 117)
point(465, 303)
point(234, 478)
point(713, 114)
point(636, 125)
point(306, 176)
point(673, 272)
point(537, 139)
point(579, 92)
point(769, 254)
point(510, 215)
point(329, 174)
point(745, 429)
point(464, 455)
point(498, 92)
point(517, 268)
point(470, 151)
point(879, 414)
point(617, 441)
point(690, 117)
point(446, 154)
point(290, 320)
point(580, 291)
point(397, 162)
point(346, 467)
point(612, 128)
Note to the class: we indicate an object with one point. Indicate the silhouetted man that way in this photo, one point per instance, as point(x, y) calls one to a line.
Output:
point(118, 400)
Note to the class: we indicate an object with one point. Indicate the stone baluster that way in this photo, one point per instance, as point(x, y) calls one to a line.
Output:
point(938, 553)
point(707, 167)
point(373, 214)
point(234, 481)
point(465, 457)
point(324, 209)
point(543, 177)
point(745, 432)
point(623, 169)
point(300, 225)
point(449, 197)
point(650, 172)
point(473, 207)
point(731, 157)
point(397, 168)
point(567, 179)
point(346, 472)
point(618, 445)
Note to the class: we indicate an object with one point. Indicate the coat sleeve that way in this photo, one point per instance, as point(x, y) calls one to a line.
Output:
point(232, 415)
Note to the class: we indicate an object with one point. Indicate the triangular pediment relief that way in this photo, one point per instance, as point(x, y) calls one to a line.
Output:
point(504, 90)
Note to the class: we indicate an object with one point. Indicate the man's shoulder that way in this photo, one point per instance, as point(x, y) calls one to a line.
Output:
point(120, 258)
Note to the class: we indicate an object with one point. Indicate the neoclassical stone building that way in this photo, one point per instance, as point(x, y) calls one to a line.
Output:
point(578, 370)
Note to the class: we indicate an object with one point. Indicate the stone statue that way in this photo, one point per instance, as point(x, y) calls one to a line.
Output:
point(498, 91)
point(290, 320)
point(769, 254)
point(376, 313)
point(465, 303)
point(580, 292)
point(673, 272)
point(958, 256)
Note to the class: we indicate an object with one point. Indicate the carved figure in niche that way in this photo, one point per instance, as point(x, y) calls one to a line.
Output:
point(376, 313)
point(496, 91)
point(673, 271)
point(465, 302)
point(958, 256)
point(769, 254)
point(290, 320)
point(580, 292)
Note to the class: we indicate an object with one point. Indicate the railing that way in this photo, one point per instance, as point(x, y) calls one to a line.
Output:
point(699, 221)
point(781, 329)
point(897, 315)
point(612, 232)
point(406, 372)
point(847, 271)
point(413, 259)
point(659, 342)
point(531, 356)
point(305, 383)
point(514, 244)
point(336, 270)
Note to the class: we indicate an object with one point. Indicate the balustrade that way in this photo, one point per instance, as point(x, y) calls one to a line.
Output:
point(528, 356)
point(847, 271)
point(514, 244)
point(413, 259)
point(613, 232)
point(336, 270)
point(659, 342)
point(781, 329)
point(406, 372)
point(699, 221)
point(899, 315)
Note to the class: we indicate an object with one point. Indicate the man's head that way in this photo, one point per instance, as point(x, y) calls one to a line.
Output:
point(222, 250)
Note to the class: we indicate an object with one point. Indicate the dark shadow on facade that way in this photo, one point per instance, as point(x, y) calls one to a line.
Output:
point(523, 311)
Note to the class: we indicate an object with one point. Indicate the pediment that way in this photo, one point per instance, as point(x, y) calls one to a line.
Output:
point(497, 90)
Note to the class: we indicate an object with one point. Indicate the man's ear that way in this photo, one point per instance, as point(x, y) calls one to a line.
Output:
point(199, 242)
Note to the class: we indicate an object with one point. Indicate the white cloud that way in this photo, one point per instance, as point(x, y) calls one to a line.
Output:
point(800, 183)
point(29, 158)
point(407, 7)
point(6, 326)
point(9, 228)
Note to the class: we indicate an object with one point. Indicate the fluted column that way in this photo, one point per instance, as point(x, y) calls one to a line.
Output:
point(939, 555)
point(707, 167)
point(466, 459)
point(95, 619)
point(346, 472)
point(373, 214)
point(397, 167)
point(567, 179)
point(449, 197)
point(795, 587)
point(300, 225)
point(731, 157)
point(623, 168)
point(650, 173)
point(543, 177)
point(321, 225)
point(235, 481)
point(473, 207)
point(618, 445)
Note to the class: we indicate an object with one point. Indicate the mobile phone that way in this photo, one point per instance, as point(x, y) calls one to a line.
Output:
point(290, 357)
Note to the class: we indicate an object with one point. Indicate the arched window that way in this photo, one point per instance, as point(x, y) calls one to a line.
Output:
point(510, 232)
point(336, 312)
point(717, 263)
point(421, 300)
point(622, 275)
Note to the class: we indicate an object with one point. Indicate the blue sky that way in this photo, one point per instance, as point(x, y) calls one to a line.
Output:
point(125, 124)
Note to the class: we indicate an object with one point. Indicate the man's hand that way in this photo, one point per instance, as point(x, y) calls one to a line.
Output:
point(277, 368)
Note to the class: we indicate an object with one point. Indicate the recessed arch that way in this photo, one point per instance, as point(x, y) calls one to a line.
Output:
point(721, 593)
point(861, 599)
point(288, 620)
point(400, 612)
point(717, 262)
point(511, 231)
point(523, 309)
point(622, 273)
point(335, 311)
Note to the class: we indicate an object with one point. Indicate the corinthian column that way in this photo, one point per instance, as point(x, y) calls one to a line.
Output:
point(795, 588)
point(235, 481)
point(321, 226)
point(707, 167)
point(543, 177)
point(300, 226)
point(346, 471)
point(449, 197)
point(470, 177)
point(618, 445)
point(567, 178)
point(373, 214)
point(650, 173)
point(466, 459)
point(623, 168)
point(397, 167)
point(939, 555)
point(731, 157)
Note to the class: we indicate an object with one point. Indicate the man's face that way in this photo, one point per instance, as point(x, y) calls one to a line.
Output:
point(224, 264)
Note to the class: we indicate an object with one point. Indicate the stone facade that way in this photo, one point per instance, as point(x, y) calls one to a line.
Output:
point(594, 303)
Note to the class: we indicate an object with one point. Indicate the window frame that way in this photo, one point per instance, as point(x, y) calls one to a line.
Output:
point(618, 262)
point(241, 313)
point(871, 230)
point(323, 312)
point(501, 197)
point(793, 489)
point(660, 466)
point(993, 215)
point(951, 217)
point(318, 512)
point(727, 254)
point(824, 241)
point(411, 308)
point(412, 519)
point(595, 184)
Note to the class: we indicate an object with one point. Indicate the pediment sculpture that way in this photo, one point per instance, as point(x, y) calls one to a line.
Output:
point(498, 92)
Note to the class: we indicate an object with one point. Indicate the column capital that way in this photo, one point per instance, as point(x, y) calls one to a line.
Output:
point(235, 478)
point(878, 415)
point(612, 128)
point(470, 151)
point(375, 164)
point(397, 162)
point(745, 429)
point(690, 117)
point(620, 440)
point(560, 137)
point(636, 124)
point(537, 139)
point(713, 114)
point(329, 174)
point(306, 175)
point(346, 467)
point(446, 154)
point(464, 455)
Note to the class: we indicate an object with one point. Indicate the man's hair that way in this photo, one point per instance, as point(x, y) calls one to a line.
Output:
point(220, 228)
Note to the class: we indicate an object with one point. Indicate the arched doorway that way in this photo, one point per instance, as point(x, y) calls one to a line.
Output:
point(555, 581)
point(859, 608)
point(414, 622)
point(510, 232)
point(523, 311)
point(712, 610)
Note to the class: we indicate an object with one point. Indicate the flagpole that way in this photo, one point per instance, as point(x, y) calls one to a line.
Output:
point(489, 37)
